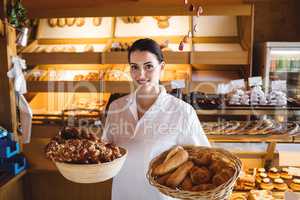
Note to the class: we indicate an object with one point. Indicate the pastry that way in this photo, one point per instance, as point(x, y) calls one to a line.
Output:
point(266, 184)
point(260, 195)
point(203, 159)
point(203, 187)
point(261, 170)
point(70, 21)
point(52, 22)
point(178, 176)
point(223, 176)
point(163, 24)
point(175, 161)
point(238, 196)
point(295, 185)
point(284, 174)
point(187, 183)
point(162, 180)
point(260, 177)
point(216, 166)
point(273, 173)
point(61, 22)
point(200, 175)
point(97, 21)
point(245, 182)
point(279, 184)
point(79, 22)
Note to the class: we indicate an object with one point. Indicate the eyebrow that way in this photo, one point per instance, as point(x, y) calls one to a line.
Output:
point(149, 62)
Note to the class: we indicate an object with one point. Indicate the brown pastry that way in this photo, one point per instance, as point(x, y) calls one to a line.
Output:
point(179, 158)
point(203, 159)
point(295, 185)
point(223, 176)
point(97, 21)
point(178, 176)
point(216, 166)
point(70, 21)
point(163, 24)
point(138, 19)
point(203, 187)
point(80, 22)
point(200, 175)
point(187, 183)
point(260, 177)
point(61, 22)
point(273, 173)
point(280, 185)
point(285, 174)
point(261, 170)
point(266, 184)
point(52, 22)
point(162, 180)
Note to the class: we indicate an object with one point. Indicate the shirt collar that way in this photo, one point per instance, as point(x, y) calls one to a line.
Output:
point(133, 105)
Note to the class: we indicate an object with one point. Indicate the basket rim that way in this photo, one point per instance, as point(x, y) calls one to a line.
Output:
point(163, 187)
point(98, 164)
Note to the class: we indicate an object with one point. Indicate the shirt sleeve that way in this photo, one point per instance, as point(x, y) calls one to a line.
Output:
point(193, 133)
point(107, 135)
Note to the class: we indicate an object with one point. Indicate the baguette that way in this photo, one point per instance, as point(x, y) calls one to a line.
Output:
point(179, 158)
point(178, 176)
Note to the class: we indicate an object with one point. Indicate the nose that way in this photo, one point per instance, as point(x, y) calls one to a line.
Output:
point(141, 74)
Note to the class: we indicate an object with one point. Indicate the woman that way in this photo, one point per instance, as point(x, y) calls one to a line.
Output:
point(147, 122)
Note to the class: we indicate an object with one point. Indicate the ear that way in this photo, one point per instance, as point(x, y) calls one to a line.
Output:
point(162, 65)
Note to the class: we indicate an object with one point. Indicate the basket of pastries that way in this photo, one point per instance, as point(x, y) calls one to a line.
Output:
point(82, 157)
point(195, 172)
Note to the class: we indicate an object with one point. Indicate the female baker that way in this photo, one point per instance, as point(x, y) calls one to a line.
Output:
point(147, 122)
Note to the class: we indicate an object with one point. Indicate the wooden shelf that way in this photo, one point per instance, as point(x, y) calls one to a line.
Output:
point(250, 111)
point(250, 138)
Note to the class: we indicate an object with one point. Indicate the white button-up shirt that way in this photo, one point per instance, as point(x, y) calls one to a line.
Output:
point(168, 122)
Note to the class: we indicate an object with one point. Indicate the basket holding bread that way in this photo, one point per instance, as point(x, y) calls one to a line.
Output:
point(82, 157)
point(194, 172)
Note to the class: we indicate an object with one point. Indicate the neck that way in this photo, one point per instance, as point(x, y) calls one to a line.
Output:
point(146, 96)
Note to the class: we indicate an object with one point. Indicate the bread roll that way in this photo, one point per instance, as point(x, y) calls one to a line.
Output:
point(61, 22)
point(200, 175)
point(97, 21)
point(179, 158)
point(79, 22)
point(162, 180)
point(70, 21)
point(172, 152)
point(178, 176)
point(52, 22)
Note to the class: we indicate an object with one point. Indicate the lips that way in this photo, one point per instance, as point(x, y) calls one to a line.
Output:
point(142, 82)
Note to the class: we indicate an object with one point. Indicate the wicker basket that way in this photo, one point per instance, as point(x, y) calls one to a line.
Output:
point(221, 192)
point(92, 173)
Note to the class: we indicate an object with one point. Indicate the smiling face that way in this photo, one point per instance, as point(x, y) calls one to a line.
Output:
point(145, 69)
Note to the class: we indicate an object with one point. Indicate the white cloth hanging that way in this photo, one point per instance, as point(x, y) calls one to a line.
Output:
point(26, 118)
point(16, 73)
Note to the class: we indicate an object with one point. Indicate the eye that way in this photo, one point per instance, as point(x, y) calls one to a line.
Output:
point(149, 67)
point(134, 67)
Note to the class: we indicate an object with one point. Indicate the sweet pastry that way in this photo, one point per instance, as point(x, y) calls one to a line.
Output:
point(97, 21)
point(238, 196)
point(260, 195)
point(200, 175)
point(187, 183)
point(280, 185)
point(273, 173)
point(266, 184)
point(245, 182)
point(260, 177)
point(175, 161)
point(295, 185)
point(180, 173)
point(261, 170)
point(284, 174)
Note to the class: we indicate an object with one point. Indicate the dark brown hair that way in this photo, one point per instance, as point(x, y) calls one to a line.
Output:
point(149, 45)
